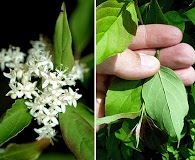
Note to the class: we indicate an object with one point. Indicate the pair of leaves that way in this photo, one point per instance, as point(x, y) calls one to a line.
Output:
point(164, 97)
point(116, 25)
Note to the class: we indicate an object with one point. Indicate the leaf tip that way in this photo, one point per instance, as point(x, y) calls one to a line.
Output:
point(63, 6)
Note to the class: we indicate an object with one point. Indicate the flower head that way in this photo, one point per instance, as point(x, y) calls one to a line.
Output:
point(43, 87)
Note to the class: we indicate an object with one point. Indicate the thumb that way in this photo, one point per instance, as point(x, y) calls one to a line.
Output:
point(129, 65)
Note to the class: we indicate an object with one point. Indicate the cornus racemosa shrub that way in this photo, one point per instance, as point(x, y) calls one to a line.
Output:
point(47, 84)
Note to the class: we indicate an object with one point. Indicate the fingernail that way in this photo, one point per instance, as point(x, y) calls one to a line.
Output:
point(149, 61)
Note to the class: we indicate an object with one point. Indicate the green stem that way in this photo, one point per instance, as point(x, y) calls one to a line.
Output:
point(143, 113)
point(138, 12)
point(109, 126)
point(157, 53)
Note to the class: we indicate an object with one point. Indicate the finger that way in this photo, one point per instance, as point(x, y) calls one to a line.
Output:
point(103, 81)
point(129, 65)
point(100, 97)
point(187, 75)
point(178, 56)
point(147, 51)
point(156, 36)
point(100, 104)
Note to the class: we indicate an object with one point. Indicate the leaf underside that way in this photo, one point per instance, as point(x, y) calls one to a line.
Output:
point(166, 102)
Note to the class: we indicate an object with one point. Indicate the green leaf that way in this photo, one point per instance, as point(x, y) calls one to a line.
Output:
point(126, 151)
point(112, 146)
point(86, 113)
point(88, 60)
point(124, 134)
point(123, 96)
point(109, 119)
point(116, 25)
point(26, 151)
point(165, 5)
point(144, 10)
point(166, 101)
point(81, 24)
point(14, 121)
point(193, 91)
point(175, 19)
point(63, 56)
point(155, 14)
point(78, 132)
point(190, 14)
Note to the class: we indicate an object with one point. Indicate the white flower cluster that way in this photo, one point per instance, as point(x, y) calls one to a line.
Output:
point(47, 90)
point(11, 58)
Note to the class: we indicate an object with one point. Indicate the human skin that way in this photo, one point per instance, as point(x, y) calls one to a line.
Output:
point(138, 60)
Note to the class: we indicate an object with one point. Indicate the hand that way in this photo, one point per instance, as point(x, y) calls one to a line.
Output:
point(138, 61)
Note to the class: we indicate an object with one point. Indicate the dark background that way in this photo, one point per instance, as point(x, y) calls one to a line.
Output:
point(20, 22)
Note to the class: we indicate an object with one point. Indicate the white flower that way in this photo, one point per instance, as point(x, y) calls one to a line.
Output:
point(46, 132)
point(49, 78)
point(39, 62)
point(37, 45)
point(16, 60)
point(33, 67)
point(14, 92)
point(55, 107)
point(4, 58)
point(11, 75)
point(71, 97)
point(63, 105)
point(28, 89)
point(35, 109)
point(26, 77)
point(68, 80)
point(50, 117)
point(12, 58)
point(78, 70)
point(40, 116)
point(15, 66)
point(19, 74)
point(18, 56)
